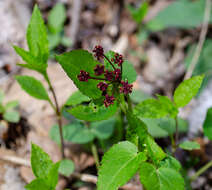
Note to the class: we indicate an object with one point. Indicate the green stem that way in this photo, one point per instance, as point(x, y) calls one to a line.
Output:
point(129, 102)
point(58, 113)
point(109, 61)
point(95, 155)
point(201, 170)
point(177, 132)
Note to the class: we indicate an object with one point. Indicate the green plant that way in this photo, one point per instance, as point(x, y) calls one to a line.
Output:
point(56, 20)
point(105, 87)
point(7, 111)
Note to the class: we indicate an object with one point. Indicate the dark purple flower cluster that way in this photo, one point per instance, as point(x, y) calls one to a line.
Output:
point(111, 77)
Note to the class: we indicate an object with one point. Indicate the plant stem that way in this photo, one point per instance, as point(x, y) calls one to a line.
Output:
point(109, 61)
point(176, 132)
point(95, 155)
point(59, 116)
point(129, 102)
point(201, 170)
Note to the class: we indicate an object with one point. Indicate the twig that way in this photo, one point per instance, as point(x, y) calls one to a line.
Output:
point(201, 170)
point(15, 160)
point(201, 39)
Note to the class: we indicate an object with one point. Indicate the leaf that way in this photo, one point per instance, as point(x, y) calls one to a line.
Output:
point(187, 90)
point(138, 14)
point(168, 106)
point(57, 18)
point(150, 108)
point(75, 61)
point(11, 116)
point(171, 162)
point(189, 145)
point(181, 14)
point(161, 179)
point(75, 133)
point(33, 62)
point(37, 37)
point(52, 177)
point(93, 112)
point(38, 184)
point(54, 40)
point(1, 96)
point(155, 152)
point(33, 87)
point(103, 129)
point(207, 126)
point(11, 104)
point(138, 96)
point(76, 98)
point(40, 162)
point(164, 127)
point(119, 165)
point(203, 65)
point(66, 41)
point(66, 167)
point(128, 71)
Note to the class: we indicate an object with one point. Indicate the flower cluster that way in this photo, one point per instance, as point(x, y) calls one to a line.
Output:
point(111, 76)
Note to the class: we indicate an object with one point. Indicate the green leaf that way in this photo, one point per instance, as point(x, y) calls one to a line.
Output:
point(66, 167)
point(103, 129)
point(11, 116)
point(128, 71)
point(119, 165)
point(138, 96)
point(40, 162)
point(37, 37)
point(75, 61)
point(207, 126)
point(187, 90)
point(189, 145)
point(57, 18)
point(11, 104)
point(33, 63)
point(150, 108)
point(76, 98)
point(181, 14)
point(155, 152)
point(138, 14)
point(66, 41)
point(93, 112)
point(161, 179)
point(52, 177)
point(1, 96)
point(54, 40)
point(171, 162)
point(164, 127)
point(38, 184)
point(33, 87)
point(75, 133)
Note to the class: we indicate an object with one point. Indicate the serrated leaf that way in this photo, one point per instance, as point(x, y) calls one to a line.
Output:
point(57, 18)
point(76, 98)
point(53, 175)
point(11, 116)
point(181, 14)
point(138, 14)
point(75, 61)
point(36, 36)
point(103, 129)
point(93, 112)
point(187, 90)
point(33, 87)
point(207, 126)
point(189, 145)
point(40, 162)
point(155, 152)
point(32, 62)
point(161, 178)
point(75, 133)
point(119, 165)
point(66, 167)
point(38, 183)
